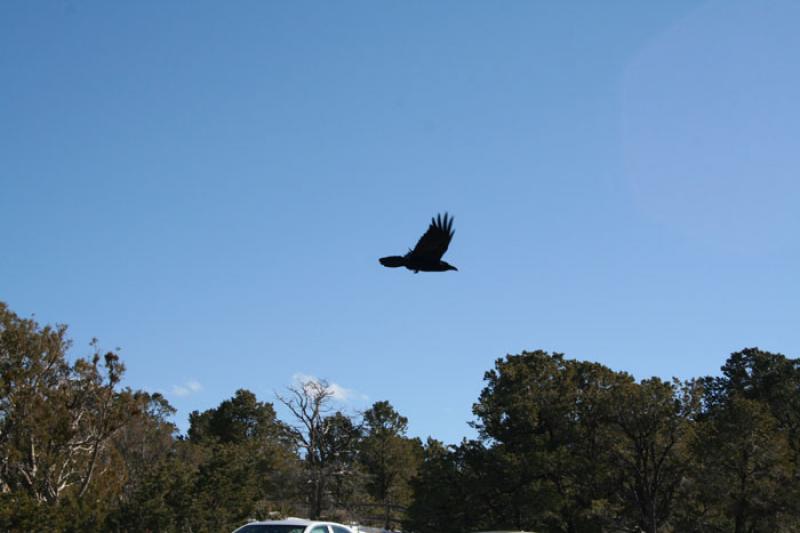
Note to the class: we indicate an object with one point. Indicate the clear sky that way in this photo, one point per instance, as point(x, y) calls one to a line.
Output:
point(209, 185)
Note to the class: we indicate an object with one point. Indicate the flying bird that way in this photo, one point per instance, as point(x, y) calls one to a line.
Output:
point(427, 254)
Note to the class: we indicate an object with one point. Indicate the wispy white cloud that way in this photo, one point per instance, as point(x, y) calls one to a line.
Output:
point(337, 391)
point(187, 388)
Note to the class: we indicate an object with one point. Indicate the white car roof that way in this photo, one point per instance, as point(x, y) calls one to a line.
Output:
point(291, 521)
point(286, 522)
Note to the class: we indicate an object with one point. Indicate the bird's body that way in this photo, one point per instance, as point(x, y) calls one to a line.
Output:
point(427, 254)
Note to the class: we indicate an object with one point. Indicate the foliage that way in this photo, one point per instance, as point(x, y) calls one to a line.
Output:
point(573, 446)
point(390, 460)
point(57, 422)
point(563, 446)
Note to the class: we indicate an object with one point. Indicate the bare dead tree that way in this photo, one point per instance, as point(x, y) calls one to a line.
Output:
point(309, 402)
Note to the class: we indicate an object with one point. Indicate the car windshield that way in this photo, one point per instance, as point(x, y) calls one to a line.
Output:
point(267, 528)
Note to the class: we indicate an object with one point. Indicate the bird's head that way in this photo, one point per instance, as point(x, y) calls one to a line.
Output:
point(448, 266)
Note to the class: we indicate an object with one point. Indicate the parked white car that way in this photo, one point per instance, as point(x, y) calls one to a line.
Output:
point(293, 525)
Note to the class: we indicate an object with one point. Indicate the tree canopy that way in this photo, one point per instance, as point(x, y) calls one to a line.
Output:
point(562, 446)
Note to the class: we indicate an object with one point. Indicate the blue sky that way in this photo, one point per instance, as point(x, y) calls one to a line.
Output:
point(208, 185)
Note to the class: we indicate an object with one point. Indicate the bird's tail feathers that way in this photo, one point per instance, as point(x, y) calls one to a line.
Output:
point(393, 261)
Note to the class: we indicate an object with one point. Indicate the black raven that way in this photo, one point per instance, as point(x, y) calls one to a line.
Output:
point(427, 254)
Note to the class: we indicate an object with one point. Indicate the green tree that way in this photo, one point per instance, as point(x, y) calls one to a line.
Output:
point(442, 502)
point(246, 466)
point(390, 460)
point(57, 420)
point(146, 439)
point(767, 377)
point(546, 420)
point(239, 419)
point(156, 495)
point(742, 470)
point(339, 451)
point(654, 419)
point(745, 454)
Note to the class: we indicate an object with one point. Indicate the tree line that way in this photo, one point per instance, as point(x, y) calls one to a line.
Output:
point(562, 446)
point(573, 446)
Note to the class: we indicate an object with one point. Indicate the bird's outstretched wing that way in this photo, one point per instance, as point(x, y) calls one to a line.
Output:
point(433, 244)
